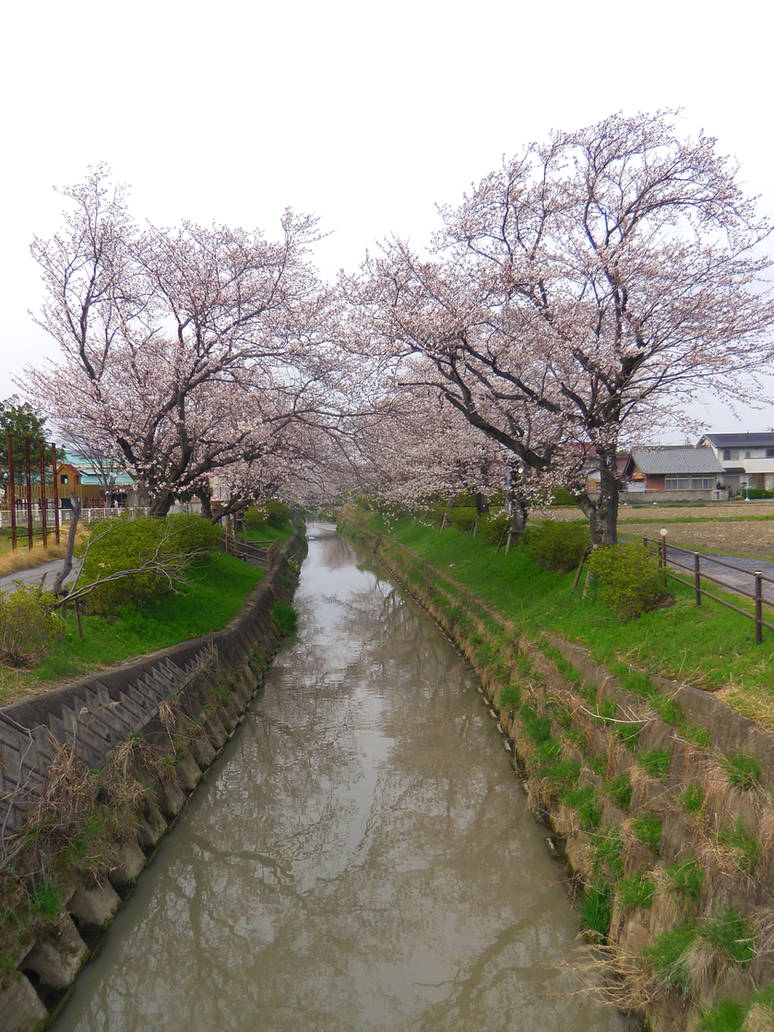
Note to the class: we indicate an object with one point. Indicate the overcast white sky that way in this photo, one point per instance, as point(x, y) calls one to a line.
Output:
point(366, 114)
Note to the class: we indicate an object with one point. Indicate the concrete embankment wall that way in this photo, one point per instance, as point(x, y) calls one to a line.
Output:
point(157, 723)
point(642, 797)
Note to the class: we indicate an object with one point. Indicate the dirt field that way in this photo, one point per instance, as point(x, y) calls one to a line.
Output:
point(728, 528)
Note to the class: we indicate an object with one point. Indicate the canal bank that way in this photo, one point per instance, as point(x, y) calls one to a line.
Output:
point(658, 800)
point(96, 772)
point(361, 860)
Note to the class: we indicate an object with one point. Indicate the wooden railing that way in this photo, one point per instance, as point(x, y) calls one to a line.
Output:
point(701, 568)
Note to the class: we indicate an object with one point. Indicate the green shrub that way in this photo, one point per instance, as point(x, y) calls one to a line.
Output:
point(630, 579)
point(741, 770)
point(492, 527)
point(756, 492)
point(192, 534)
point(557, 545)
point(120, 545)
point(28, 624)
point(561, 496)
point(277, 513)
point(463, 518)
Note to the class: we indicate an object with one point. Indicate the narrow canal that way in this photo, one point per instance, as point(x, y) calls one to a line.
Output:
point(360, 859)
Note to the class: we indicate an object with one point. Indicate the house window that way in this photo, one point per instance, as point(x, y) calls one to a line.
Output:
point(63, 478)
point(689, 483)
point(770, 453)
point(747, 455)
point(730, 453)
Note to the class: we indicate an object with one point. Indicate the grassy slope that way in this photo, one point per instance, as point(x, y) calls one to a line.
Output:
point(216, 588)
point(708, 646)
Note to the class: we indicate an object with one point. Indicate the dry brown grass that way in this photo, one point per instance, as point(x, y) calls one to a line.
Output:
point(29, 558)
point(725, 527)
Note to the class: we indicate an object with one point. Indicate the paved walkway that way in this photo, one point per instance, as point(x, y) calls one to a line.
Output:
point(34, 575)
point(740, 579)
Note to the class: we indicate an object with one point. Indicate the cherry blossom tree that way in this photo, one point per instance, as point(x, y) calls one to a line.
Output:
point(596, 282)
point(174, 342)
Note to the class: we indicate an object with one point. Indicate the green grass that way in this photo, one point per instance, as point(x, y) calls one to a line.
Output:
point(510, 697)
point(586, 805)
point(635, 891)
point(745, 846)
point(741, 770)
point(666, 956)
point(608, 853)
point(266, 534)
point(215, 591)
point(655, 762)
point(596, 909)
point(732, 934)
point(620, 791)
point(706, 645)
point(285, 616)
point(647, 828)
point(692, 797)
point(726, 1016)
point(685, 878)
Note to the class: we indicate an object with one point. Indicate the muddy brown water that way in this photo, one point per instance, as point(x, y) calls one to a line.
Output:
point(360, 858)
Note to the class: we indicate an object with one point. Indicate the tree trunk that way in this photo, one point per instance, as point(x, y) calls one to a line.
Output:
point(204, 494)
point(518, 520)
point(67, 565)
point(482, 503)
point(160, 505)
point(602, 510)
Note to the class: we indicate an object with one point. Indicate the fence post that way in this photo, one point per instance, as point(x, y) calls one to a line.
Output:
point(758, 607)
point(663, 556)
point(697, 576)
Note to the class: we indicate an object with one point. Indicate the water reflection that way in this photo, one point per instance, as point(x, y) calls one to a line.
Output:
point(361, 860)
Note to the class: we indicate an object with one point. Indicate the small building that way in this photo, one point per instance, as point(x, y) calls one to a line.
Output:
point(675, 473)
point(747, 459)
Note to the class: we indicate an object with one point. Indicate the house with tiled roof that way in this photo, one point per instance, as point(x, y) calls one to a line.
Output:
point(747, 459)
point(675, 473)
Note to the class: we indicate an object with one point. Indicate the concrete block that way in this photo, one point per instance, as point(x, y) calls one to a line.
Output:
point(187, 769)
point(151, 828)
point(201, 750)
point(128, 862)
point(94, 905)
point(57, 956)
point(21, 1009)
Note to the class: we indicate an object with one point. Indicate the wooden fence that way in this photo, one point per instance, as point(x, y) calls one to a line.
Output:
point(260, 553)
point(701, 568)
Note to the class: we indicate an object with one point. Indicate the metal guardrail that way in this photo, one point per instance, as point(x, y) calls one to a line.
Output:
point(670, 557)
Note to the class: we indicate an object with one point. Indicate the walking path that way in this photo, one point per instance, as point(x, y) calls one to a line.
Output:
point(46, 572)
point(723, 576)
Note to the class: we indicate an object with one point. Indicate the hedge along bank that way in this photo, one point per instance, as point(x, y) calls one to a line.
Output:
point(94, 773)
point(657, 794)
